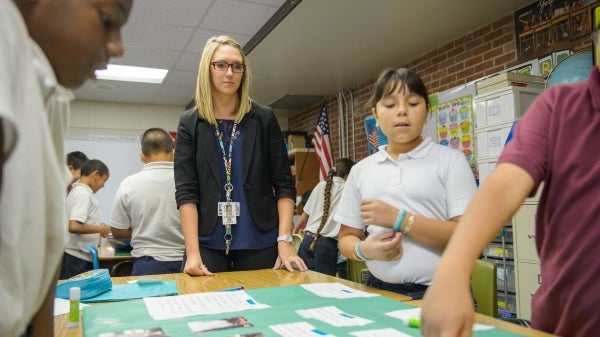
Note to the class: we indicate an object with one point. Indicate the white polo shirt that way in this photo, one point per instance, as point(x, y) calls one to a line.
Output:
point(145, 202)
point(82, 206)
point(315, 204)
point(432, 180)
point(32, 196)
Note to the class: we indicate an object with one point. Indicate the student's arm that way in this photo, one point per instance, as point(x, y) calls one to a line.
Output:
point(348, 237)
point(384, 247)
point(77, 227)
point(301, 222)
point(43, 320)
point(447, 307)
point(189, 225)
point(120, 233)
point(433, 233)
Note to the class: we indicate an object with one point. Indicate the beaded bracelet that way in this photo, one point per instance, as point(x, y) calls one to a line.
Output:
point(409, 224)
point(358, 253)
point(399, 220)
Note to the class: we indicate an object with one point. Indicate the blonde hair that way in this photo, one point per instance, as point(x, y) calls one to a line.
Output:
point(204, 101)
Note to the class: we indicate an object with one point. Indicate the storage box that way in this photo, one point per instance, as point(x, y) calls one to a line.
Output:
point(509, 79)
point(296, 142)
point(507, 303)
point(295, 139)
point(503, 105)
point(490, 141)
point(496, 250)
point(505, 275)
point(507, 232)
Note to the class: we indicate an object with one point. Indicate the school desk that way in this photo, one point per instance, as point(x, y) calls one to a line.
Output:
point(268, 278)
point(117, 265)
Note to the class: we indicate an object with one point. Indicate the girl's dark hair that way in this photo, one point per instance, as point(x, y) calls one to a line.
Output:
point(93, 165)
point(389, 80)
point(341, 169)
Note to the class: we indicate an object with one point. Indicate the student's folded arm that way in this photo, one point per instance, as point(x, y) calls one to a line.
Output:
point(120, 233)
point(348, 237)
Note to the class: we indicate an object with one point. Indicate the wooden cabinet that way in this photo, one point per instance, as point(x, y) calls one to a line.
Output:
point(305, 170)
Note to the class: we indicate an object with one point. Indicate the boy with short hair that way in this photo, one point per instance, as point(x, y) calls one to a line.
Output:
point(83, 212)
point(75, 160)
point(42, 56)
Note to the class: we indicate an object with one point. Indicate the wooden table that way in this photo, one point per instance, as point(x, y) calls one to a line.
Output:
point(267, 278)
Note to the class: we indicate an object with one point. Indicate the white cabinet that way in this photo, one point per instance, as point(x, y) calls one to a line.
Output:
point(529, 280)
point(527, 270)
point(495, 113)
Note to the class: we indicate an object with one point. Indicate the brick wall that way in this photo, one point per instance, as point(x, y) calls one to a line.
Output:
point(479, 53)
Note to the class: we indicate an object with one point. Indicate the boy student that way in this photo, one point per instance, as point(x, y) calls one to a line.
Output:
point(74, 161)
point(145, 209)
point(83, 212)
point(42, 54)
point(556, 142)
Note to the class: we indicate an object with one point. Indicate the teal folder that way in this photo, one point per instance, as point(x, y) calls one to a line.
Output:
point(284, 302)
point(91, 282)
point(129, 291)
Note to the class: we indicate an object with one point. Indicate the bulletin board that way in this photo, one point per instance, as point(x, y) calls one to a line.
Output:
point(120, 154)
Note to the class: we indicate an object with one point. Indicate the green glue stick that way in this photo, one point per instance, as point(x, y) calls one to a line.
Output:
point(74, 296)
point(413, 322)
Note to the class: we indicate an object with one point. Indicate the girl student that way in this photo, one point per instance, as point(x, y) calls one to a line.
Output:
point(319, 248)
point(408, 196)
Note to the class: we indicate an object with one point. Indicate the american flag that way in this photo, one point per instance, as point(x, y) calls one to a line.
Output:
point(322, 144)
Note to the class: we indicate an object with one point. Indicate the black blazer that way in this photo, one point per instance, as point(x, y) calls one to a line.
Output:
point(266, 167)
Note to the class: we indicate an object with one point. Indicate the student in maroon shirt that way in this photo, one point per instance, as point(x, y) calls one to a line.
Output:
point(556, 142)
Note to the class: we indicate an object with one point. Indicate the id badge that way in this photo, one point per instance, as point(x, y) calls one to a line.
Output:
point(229, 211)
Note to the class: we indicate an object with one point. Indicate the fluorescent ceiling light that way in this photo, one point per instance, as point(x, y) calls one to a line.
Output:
point(132, 74)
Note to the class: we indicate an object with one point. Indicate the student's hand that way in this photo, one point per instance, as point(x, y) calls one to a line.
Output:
point(377, 212)
point(447, 309)
point(288, 258)
point(104, 230)
point(384, 247)
point(195, 267)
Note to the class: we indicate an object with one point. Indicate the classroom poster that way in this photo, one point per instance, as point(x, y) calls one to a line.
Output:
point(455, 125)
point(375, 138)
point(430, 127)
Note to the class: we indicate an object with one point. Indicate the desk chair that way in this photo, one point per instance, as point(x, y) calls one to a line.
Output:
point(485, 287)
point(355, 270)
point(122, 268)
point(296, 240)
point(94, 251)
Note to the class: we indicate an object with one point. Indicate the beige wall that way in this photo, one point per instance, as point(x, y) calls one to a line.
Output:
point(121, 119)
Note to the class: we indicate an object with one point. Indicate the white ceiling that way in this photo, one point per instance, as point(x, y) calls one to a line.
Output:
point(319, 48)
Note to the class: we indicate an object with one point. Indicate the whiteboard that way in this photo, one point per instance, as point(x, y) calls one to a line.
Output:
point(120, 154)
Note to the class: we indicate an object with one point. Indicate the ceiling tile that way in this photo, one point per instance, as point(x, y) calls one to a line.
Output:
point(174, 12)
point(237, 17)
point(148, 57)
point(188, 61)
point(157, 35)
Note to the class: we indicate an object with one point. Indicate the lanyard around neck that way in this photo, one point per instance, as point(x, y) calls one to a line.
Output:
point(227, 159)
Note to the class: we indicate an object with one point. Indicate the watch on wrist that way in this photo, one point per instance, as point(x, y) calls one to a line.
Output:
point(285, 238)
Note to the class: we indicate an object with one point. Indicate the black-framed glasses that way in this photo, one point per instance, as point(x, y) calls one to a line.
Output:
point(224, 66)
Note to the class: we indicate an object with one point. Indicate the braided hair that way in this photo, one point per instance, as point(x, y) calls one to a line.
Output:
point(340, 169)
